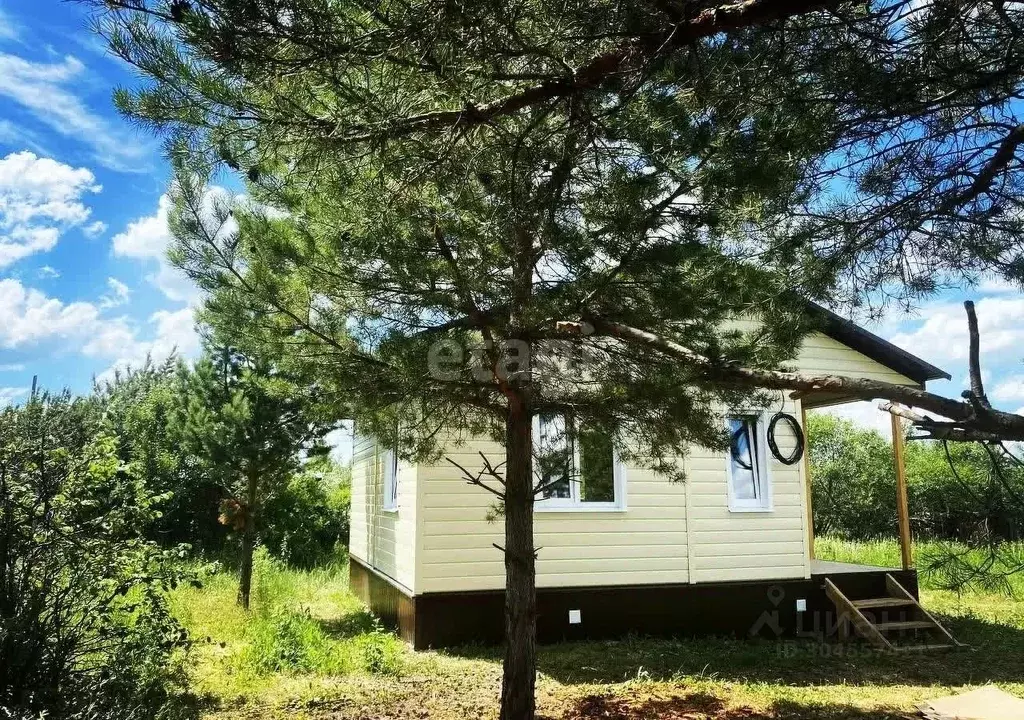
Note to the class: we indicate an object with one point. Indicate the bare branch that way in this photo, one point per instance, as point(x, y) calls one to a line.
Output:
point(977, 392)
point(967, 423)
point(477, 479)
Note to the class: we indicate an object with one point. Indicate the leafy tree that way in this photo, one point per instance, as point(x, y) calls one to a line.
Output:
point(137, 405)
point(246, 424)
point(305, 522)
point(471, 198)
point(853, 479)
point(954, 490)
point(85, 631)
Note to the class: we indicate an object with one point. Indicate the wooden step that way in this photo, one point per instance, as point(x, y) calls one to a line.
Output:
point(872, 631)
point(905, 625)
point(883, 602)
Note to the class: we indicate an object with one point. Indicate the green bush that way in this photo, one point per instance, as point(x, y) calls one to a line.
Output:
point(853, 480)
point(85, 629)
point(957, 498)
point(306, 522)
point(137, 405)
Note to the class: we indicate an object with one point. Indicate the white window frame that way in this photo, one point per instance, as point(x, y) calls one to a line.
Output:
point(573, 503)
point(389, 497)
point(763, 502)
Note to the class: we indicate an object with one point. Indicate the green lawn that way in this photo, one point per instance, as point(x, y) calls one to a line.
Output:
point(309, 650)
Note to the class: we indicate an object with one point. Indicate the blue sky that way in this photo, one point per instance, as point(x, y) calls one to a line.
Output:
point(83, 283)
point(84, 286)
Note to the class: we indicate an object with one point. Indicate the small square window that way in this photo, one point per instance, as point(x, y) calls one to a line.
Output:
point(749, 481)
point(390, 471)
point(575, 467)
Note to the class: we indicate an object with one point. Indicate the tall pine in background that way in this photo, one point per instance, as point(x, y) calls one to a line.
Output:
point(455, 209)
point(247, 425)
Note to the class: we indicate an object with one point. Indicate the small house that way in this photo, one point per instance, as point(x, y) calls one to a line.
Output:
point(728, 551)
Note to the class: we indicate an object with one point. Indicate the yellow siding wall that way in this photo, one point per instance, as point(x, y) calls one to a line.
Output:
point(384, 540)
point(821, 354)
point(668, 533)
point(728, 545)
point(646, 543)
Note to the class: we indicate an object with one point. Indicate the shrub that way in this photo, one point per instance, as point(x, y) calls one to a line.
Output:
point(85, 629)
point(955, 497)
point(309, 518)
point(853, 480)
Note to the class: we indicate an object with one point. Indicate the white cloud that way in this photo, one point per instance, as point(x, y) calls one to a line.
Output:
point(174, 332)
point(33, 318)
point(94, 229)
point(21, 137)
point(118, 295)
point(8, 28)
point(12, 367)
point(39, 198)
point(148, 238)
point(10, 394)
point(1012, 388)
point(863, 414)
point(47, 272)
point(20, 242)
point(942, 335)
point(46, 90)
point(996, 285)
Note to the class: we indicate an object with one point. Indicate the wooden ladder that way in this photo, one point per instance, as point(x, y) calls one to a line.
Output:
point(872, 620)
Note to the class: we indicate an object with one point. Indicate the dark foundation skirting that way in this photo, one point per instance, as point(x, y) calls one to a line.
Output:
point(765, 609)
point(391, 604)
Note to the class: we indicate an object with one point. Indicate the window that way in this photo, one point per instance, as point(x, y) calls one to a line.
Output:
point(749, 481)
point(576, 467)
point(390, 461)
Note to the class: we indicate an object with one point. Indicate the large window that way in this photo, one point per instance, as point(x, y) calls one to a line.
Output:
point(576, 467)
point(749, 481)
point(390, 471)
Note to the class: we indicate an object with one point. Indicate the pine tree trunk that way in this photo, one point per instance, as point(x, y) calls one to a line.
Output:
point(520, 668)
point(248, 542)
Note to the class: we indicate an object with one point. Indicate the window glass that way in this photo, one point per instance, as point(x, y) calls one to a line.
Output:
point(554, 457)
point(390, 499)
point(744, 459)
point(597, 466)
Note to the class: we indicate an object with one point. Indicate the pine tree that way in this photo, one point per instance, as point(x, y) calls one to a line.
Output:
point(465, 214)
point(247, 424)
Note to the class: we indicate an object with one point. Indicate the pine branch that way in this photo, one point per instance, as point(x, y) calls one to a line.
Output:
point(965, 423)
point(607, 67)
point(985, 177)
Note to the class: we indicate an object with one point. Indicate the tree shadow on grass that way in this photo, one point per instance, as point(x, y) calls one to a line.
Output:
point(995, 654)
point(703, 706)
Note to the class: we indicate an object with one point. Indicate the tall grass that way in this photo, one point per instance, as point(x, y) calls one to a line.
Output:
point(941, 565)
point(300, 623)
